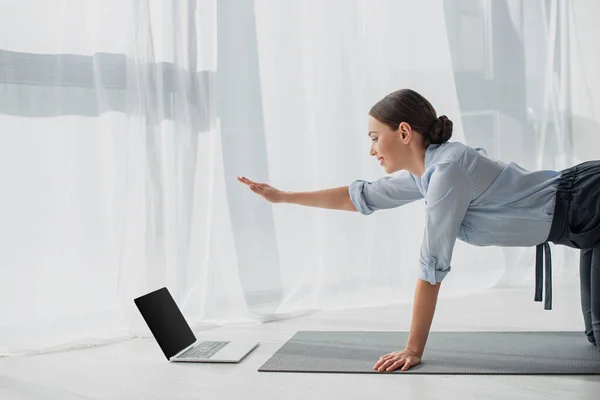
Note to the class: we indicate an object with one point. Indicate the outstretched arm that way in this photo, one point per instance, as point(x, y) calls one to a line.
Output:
point(335, 198)
point(387, 192)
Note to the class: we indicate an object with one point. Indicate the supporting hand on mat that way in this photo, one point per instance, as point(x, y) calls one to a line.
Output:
point(405, 359)
point(265, 190)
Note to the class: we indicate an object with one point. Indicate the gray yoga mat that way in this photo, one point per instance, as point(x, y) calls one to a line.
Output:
point(527, 353)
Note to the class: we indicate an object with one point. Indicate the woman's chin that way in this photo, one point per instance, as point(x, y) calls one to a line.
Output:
point(390, 169)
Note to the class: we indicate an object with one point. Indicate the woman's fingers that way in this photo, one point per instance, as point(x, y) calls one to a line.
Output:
point(391, 364)
point(249, 182)
point(244, 180)
point(265, 190)
point(385, 365)
point(381, 361)
point(397, 364)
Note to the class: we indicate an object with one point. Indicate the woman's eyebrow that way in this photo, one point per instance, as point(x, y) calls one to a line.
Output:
point(372, 132)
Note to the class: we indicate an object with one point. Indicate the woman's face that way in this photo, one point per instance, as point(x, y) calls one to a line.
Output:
point(390, 147)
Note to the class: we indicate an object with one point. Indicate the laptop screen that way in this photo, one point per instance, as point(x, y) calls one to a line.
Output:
point(165, 321)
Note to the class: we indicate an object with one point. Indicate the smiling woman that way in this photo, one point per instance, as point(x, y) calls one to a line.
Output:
point(501, 204)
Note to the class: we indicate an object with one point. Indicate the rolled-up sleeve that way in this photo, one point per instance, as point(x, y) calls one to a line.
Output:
point(448, 196)
point(387, 192)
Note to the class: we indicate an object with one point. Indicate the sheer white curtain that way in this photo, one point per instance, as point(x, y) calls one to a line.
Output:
point(585, 80)
point(108, 143)
point(120, 143)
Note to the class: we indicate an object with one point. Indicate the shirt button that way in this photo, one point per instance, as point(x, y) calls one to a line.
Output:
point(432, 261)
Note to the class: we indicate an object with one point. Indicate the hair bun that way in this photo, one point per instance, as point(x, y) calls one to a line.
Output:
point(441, 131)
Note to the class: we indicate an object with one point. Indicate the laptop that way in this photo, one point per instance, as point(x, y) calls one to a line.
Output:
point(175, 337)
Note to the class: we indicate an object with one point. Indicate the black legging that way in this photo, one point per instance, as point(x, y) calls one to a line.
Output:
point(589, 271)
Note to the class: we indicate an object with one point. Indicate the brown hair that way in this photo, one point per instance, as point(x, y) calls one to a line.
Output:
point(408, 106)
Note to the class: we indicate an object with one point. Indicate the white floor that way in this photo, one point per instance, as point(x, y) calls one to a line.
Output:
point(137, 369)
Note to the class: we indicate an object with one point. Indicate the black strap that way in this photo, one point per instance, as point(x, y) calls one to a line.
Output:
point(540, 250)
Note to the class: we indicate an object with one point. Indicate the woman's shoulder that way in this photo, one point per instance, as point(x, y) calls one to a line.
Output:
point(447, 152)
point(458, 154)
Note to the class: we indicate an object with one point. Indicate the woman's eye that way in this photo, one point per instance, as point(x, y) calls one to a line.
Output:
point(374, 139)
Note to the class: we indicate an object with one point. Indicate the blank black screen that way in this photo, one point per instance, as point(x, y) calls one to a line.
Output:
point(165, 321)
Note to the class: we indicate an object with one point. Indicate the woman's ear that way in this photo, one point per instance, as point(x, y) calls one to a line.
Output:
point(405, 132)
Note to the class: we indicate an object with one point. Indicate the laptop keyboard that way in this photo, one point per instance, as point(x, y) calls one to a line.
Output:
point(204, 349)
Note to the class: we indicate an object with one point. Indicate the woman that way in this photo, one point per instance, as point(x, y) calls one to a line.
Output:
point(470, 197)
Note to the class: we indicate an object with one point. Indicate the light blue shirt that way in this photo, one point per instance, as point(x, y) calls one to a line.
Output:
point(468, 196)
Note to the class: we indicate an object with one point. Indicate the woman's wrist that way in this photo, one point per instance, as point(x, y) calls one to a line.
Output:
point(414, 351)
point(286, 197)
